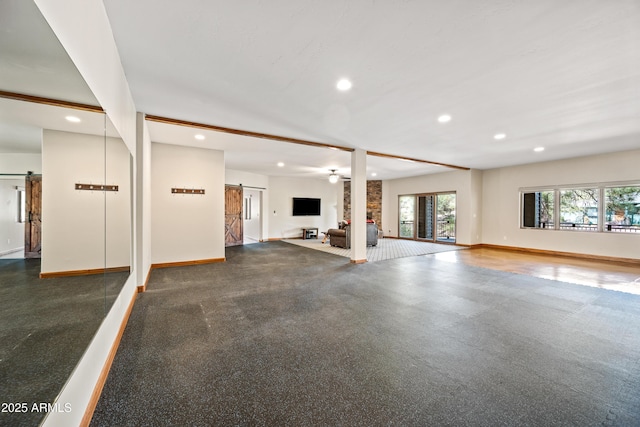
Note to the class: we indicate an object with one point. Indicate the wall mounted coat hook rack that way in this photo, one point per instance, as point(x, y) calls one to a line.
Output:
point(187, 190)
point(96, 187)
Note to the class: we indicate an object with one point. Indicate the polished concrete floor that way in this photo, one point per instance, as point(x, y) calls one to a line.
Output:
point(283, 335)
point(45, 326)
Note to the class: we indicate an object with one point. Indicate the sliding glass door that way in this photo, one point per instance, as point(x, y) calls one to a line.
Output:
point(425, 217)
point(446, 217)
point(407, 216)
point(429, 217)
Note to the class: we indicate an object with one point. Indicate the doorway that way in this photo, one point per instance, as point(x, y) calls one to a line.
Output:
point(428, 217)
point(20, 216)
point(252, 228)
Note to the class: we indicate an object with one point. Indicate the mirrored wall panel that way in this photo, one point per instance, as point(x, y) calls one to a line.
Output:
point(65, 250)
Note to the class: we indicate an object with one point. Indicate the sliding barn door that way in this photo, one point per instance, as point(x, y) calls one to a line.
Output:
point(233, 215)
point(33, 208)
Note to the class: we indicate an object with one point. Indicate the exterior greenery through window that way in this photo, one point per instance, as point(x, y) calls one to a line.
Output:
point(579, 209)
point(428, 216)
point(595, 208)
point(622, 208)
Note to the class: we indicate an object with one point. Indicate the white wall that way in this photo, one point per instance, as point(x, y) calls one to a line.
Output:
point(246, 179)
point(11, 231)
point(186, 227)
point(340, 202)
point(475, 201)
point(20, 163)
point(282, 190)
point(119, 205)
point(501, 204)
point(73, 221)
point(464, 183)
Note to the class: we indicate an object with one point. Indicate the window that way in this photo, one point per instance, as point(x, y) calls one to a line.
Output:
point(596, 208)
point(22, 205)
point(579, 209)
point(622, 209)
point(537, 209)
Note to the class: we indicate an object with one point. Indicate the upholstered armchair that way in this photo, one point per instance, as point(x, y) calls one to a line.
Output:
point(342, 237)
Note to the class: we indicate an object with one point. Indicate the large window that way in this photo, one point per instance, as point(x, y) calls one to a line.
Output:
point(579, 209)
point(538, 208)
point(622, 209)
point(607, 208)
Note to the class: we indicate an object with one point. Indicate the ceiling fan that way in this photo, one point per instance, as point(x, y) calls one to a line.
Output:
point(334, 177)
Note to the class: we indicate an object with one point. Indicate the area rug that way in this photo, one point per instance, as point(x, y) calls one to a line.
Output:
point(386, 249)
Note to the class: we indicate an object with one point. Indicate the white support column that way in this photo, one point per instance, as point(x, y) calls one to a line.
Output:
point(142, 202)
point(358, 206)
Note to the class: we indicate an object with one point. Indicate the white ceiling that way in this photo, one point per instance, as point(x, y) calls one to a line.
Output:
point(562, 75)
point(32, 62)
point(21, 124)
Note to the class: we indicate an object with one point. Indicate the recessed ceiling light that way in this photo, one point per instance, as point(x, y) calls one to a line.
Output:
point(199, 137)
point(499, 136)
point(374, 174)
point(343, 84)
point(445, 118)
point(73, 119)
point(538, 149)
point(280, 164)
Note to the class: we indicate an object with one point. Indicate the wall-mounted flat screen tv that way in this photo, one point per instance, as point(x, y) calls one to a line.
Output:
point(306, 207)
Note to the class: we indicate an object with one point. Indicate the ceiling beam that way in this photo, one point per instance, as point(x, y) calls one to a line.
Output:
point(177, 122)
point(50, 101)
point(185, 123)
point(412, 159)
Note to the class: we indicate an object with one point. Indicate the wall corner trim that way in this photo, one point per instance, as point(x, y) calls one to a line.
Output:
point(143, 288)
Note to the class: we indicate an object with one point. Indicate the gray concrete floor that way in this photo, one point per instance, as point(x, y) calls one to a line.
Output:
point(45, 326)
point(283, 335)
